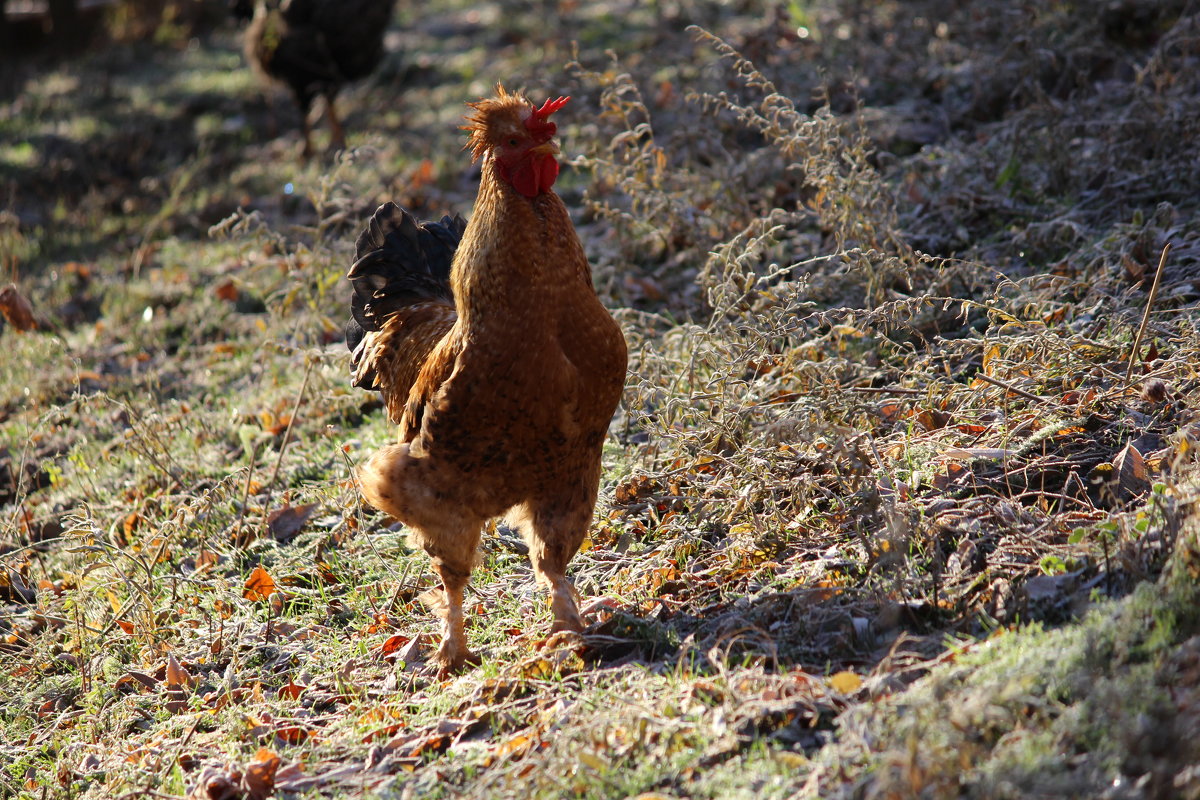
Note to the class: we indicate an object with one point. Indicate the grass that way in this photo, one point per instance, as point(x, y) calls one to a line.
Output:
point(880, 514)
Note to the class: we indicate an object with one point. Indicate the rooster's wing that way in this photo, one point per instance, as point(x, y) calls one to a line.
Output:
point(402, 306)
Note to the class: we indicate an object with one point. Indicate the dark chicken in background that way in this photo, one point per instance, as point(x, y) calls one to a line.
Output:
point(496, 360)
point(315, 47)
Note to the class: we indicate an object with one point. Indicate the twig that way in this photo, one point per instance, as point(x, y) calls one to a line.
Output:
point(1010, 387)
point(236, 536)
point(1137, 340)
point(287, 434)
point(65, 621)
point(886, 390)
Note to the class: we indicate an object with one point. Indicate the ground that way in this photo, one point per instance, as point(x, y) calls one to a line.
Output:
point(899, 502)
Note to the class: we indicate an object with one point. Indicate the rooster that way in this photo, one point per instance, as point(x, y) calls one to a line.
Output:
point(315, 47)
point(497, 362)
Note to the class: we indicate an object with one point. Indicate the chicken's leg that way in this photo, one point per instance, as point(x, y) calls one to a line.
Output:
point(553, 538)
point(447, 602)
point(408, 488)
point(306, 128)
point(563, 606)
point(337, 140)
point(304, 102)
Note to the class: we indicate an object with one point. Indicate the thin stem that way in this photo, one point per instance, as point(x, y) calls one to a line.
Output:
point(1137, 340)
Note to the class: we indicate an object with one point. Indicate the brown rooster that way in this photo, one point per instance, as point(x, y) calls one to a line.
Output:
point(315, 47)
point(496, 360)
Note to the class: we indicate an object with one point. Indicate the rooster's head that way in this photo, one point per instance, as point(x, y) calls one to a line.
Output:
point(519, 136)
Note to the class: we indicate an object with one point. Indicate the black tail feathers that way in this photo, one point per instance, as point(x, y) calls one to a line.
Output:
point(399, 262)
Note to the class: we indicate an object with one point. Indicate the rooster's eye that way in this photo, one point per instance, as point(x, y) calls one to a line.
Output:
point(512, 142)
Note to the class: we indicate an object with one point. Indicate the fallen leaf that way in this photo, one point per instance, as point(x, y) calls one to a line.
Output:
point(292, 734)
point(286, 522)
point(16, 309)
point(892, 412)
point(227, 290)
point(537, 668)
point(274, 423)
point(513, 748)
point(217, 783)
point(291, 779)
point(1132, 476)
point(393, 644)
point(260, 774)
point(132, 677)
point(259, 586)
point(421, 176)
point(205, 560)
point(989, 356)
point(385, 721)
point(410, 654)
point(292, 690)
point(177, 676)
point(644, 288)
point(1133, 270)
point(951, 473)
point(931, 419)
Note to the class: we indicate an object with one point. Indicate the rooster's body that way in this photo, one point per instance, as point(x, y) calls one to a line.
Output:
point(496, 360)
point(315, 47)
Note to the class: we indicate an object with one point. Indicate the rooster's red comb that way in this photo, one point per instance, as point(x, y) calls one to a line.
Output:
point(539, 123)
point(549, 107)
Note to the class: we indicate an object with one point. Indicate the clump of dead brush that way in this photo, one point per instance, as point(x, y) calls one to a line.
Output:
point(723, 391)
point(756, 419)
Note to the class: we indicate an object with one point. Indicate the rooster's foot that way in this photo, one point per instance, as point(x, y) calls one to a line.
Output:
point(452, 660)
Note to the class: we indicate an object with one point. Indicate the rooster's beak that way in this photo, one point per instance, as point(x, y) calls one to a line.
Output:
point(547, 149)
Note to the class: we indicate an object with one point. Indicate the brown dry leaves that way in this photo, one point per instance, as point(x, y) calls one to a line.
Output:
point(17, 309)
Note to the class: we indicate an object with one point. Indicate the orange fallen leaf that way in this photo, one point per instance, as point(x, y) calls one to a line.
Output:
point(16, 309)
point(421, 176)
point(292, 690)
point(177, 676)
point(205, 560)
point(514, 748)
point(259, 586)
point(1132, 475)
point(931, 419)
point(227, 290)
point(292, 734)
point(392, 644)
point(260, 774)
point(892, 412)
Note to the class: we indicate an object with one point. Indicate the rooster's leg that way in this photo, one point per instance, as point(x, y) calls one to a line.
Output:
point(452, 655)
point(562, 604)
point(304, 101)
point(413, 491)
point(553, 538)
point(337, 132)
point(306, 127)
